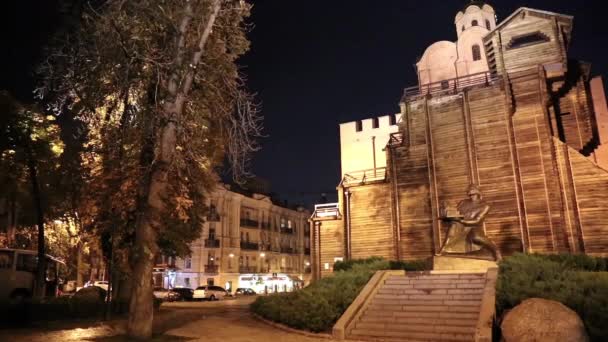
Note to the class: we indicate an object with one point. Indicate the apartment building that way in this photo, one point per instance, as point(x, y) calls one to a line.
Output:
point(246, 241)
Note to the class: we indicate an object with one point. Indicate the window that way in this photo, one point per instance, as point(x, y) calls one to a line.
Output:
point(213, 214)
point(462, 28)
point(527, 40)
point(187, 282)
point(211, 258)
point(242, 236)
point(246, 261)
point(476, 52)
point(375, 123)
point(210, 281)
point(241, 260)
point(289, 224)
point(247, 236)
point(188, 263)
point(474, 23)
point(392, 119)
point(445, 84)
point(27, 262)
point(6, 259)
point(211, 233)
point(359, 126)
point(488, 25)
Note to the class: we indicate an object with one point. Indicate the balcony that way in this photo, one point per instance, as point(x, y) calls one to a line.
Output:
point(248, 269)
point(359, 178)
point(288, 250)
point(327, 210)
point(249, 223)
point(212, 243)
point(266, 225)
point(211, 268)
point(288, 270)
point(286, 230)
point(249, 245)
point(451, 86)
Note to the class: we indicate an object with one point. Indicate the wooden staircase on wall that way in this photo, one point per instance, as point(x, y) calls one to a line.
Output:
point(422, 307)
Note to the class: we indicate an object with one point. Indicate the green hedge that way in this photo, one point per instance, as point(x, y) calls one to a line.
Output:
point(577, 281)
point(318, 306)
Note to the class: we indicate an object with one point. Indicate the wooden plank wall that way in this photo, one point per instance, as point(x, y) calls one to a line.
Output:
point(522, 58)
point(370, 221)
point(536, 164)
point(413, 190)
point(331, 244)
point(452, 160)
point(591, 196)
point(495, 166)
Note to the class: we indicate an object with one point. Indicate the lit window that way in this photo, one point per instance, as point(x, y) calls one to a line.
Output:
point(474, 23)
point(476, 52)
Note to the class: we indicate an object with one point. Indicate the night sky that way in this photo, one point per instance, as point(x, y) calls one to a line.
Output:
point(315, 64)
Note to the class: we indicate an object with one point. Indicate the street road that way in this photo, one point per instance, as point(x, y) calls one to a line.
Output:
point(220, 321)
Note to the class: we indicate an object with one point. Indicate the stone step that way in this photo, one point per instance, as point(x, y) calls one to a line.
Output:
point(427, 314)
point(423, 296)
point(413, 275)
point(449, 302)
point(464, 322)
point(432, 285)
point(414, 327)
point(424, 308)
point(412, 291)
point(406, 281)
point(389, 335)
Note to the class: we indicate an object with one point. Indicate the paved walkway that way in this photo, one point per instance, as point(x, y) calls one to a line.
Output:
point(222, 321)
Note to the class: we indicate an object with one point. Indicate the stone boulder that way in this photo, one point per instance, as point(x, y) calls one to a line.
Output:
point(542, 320)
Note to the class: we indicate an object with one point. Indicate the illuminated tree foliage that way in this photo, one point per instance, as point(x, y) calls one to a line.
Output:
point(29, 153)
point(156, 84)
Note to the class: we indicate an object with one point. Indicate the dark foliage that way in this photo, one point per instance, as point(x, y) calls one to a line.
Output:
point(578, 281)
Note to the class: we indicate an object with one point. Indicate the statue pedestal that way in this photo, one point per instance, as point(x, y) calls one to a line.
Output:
point(461, 263)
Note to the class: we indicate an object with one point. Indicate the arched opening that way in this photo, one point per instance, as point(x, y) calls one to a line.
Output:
point(474, 23)
point(488, 26)
point(476, 52)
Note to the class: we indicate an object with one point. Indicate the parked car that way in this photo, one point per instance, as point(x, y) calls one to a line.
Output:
point(99, 283)
point(180, 294)
point(244, 292)
point(209, 292)
point(161, 293)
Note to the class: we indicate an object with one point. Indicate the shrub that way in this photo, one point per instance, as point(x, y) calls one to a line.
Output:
point(318, 306)
point(557, 277)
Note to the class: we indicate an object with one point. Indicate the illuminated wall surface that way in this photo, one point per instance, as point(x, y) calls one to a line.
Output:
point(528, 130)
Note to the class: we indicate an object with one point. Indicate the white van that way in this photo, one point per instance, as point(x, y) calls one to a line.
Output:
point(209, 292)
point(18, 272)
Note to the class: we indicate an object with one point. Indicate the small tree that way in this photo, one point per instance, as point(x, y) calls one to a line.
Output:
point(157, 84)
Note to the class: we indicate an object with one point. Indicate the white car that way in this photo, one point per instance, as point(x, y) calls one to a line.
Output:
point(209, 292)
point(99, 283)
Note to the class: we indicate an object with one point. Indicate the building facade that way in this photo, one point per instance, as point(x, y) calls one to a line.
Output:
point(522, 121)
point(245, 237)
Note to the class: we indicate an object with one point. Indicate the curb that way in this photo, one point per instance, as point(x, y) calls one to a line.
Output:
point(292, 330)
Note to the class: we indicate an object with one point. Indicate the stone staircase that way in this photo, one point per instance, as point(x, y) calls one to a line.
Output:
point(422, 307)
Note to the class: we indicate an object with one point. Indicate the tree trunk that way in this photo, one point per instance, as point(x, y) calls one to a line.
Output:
point(40, 283)
point(79, 266)
point(141, 303)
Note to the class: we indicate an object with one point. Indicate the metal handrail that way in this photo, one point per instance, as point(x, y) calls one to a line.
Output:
point(364, 176)
point(451, 85)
